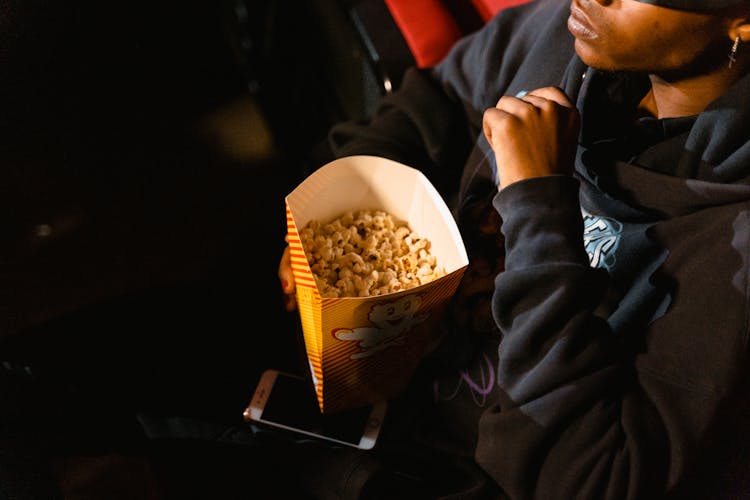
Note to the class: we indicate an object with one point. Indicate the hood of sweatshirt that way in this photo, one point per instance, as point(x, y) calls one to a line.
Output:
point(701, 161)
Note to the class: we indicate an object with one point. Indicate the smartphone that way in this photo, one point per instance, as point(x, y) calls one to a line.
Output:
point(288, 401)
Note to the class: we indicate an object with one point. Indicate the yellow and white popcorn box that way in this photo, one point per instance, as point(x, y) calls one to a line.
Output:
point(365, 349)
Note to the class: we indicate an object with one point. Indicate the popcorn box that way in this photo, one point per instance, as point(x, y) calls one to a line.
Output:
point(362, 350)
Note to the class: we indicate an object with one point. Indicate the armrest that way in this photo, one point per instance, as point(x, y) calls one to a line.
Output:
point(387, 50)
point(398, 34)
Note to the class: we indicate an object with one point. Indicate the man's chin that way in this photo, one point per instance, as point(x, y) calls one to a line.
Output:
point(590, 57)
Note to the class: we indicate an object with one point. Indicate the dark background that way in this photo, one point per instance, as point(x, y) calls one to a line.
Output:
point(153, 141)
point(145, 151)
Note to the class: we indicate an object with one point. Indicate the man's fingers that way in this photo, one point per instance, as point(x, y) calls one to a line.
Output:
point(531, 136)
point(493, 122)
point(549, 93)
point(286, 278)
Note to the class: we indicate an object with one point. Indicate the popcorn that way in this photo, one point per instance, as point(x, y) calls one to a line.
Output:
point(367, 253)
point(363, 349)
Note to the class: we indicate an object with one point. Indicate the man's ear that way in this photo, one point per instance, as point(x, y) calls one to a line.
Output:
point(740, 25)
point(743, 31)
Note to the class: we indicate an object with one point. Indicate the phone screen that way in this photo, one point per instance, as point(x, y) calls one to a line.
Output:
point(291, 403)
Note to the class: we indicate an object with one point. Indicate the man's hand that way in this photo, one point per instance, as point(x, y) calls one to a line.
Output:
point(532, 136)
point(286, 277)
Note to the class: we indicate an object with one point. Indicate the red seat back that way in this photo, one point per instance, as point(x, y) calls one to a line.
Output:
point(429, 26)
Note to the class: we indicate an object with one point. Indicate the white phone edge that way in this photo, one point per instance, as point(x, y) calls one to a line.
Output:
point(254, 412)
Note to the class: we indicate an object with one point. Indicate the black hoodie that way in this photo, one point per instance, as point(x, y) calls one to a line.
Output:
point(619, 307)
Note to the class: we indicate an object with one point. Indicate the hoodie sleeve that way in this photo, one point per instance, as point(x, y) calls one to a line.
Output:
point(567, 426)
point(420, 125)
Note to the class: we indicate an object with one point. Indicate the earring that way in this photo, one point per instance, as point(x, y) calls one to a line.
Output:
point(733, 52)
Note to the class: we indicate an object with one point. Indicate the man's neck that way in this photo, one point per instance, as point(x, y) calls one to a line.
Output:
point(672, 99)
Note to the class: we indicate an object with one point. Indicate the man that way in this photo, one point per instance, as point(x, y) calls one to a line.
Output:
point(597, 347)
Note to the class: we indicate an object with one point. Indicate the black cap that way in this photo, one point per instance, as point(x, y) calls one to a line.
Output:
point(693, 5)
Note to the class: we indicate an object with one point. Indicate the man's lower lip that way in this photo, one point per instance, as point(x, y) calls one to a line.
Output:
point(580, 30)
